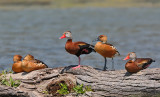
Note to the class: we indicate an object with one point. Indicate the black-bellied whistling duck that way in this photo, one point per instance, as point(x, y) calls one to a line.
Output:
point(105, 49)
point(30, 64)
point(17, 65)
point(136, 64)
point(76, 48)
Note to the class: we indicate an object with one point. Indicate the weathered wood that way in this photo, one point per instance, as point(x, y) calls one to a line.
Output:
point(104, 83)
point(11, 92)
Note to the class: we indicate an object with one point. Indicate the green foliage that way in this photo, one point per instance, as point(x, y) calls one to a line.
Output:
point(88, 88)
point(63, 89)
point(4, 72)
point(10, 71)
point(8, 82)
point(14, 83)
point(45, 92)
point(79, 89)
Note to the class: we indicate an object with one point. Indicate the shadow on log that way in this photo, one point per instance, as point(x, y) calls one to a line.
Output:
point(103, 83)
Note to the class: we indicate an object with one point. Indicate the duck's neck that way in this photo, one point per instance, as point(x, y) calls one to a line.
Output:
point(134, 59)
point(69, 41)
point(104, 42)
point(15, 61)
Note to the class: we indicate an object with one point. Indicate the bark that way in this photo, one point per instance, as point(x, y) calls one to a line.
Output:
point(11, 92)
point(103, 83)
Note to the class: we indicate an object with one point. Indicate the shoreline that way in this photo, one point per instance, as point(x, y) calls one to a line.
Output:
point(10, 8)
point(19, 5)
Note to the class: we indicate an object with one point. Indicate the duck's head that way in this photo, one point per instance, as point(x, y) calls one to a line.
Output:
point(17, 58)
point(66, 34)
point(131, 55)
point(29, 57)
point(102, 38)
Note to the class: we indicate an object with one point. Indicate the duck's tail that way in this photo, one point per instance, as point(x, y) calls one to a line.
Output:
point(92, 47)
point(117, 52)
point(153, 60)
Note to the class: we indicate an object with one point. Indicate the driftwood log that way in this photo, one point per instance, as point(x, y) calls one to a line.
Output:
point(103, 83)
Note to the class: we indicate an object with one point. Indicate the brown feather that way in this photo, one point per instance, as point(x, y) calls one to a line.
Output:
point(80, 43)
point(138, 64)
point(106, 50)
point(76, 48)
point(16, 67)
point(132, 67)
point(71, 47)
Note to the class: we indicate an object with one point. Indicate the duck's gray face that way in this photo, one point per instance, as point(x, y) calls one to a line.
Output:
point(132, 55)
point(66, 35)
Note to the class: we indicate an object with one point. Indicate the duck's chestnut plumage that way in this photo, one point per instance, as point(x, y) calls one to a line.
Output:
point(136, 64)
point(76, 48)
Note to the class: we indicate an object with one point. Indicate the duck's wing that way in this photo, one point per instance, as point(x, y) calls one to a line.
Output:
point(40, 62)
point(144, 62)
point(117, 52)
point(84, 48)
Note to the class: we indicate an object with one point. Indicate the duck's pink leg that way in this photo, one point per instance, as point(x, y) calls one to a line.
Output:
point(78, 65)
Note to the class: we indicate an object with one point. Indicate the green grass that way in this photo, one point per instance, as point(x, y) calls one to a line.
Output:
point(63, 89)
point(45, 92)
point(8, 82)
point(88, 88)
point(78, 89)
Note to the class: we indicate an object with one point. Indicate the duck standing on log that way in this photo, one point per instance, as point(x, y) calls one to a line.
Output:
point(76, 48)
point(105, 49)
point(136, 64)
point(30, 64)
point(17, 65)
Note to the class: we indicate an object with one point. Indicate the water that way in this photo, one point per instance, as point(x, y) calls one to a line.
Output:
point(37, 31)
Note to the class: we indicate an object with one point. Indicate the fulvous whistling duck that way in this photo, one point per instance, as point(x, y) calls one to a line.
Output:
point(30, 64)
point(76, 48)
point(17, 65)
point(136, 64)
point(105, 49)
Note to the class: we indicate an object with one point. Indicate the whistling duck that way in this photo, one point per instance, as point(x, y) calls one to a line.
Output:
point(76, 48)
point(16, 67)
point(136, 64)
point(105, 49)
point(30, 64)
